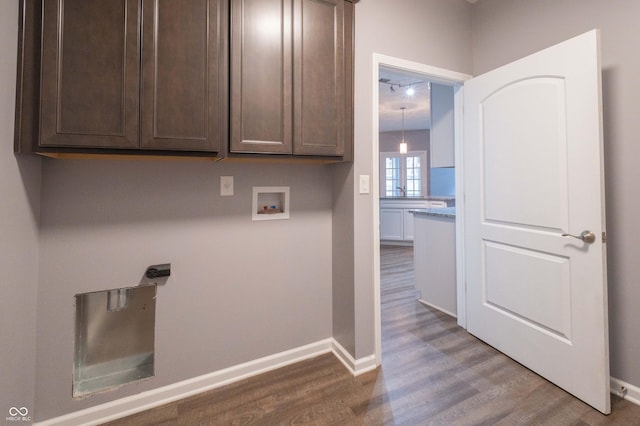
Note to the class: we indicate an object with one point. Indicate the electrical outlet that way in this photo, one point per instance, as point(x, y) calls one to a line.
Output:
point(226, 186)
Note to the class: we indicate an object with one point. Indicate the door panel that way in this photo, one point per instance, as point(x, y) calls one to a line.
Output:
point(518, 281)
point(535, 160)
point(533, 171)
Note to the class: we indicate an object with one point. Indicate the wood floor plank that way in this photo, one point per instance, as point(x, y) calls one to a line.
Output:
point(433, 373)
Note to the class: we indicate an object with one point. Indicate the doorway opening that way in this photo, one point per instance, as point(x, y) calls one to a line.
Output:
point(530, 285)
point(392, 174)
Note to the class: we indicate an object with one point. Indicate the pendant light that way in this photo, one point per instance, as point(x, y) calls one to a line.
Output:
point(403, 144)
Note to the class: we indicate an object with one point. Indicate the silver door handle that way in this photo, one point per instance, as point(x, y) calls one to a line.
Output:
point(586, 236)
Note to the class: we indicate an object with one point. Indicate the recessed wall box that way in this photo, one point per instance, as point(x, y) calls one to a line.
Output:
point(270, 202)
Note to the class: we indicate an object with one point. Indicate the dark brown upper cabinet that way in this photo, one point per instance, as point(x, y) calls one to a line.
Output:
point(292, 77)
point(114, 75)
point(184, 75)
point(90, 74)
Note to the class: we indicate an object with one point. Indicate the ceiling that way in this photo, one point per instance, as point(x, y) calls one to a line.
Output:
point(417, 113)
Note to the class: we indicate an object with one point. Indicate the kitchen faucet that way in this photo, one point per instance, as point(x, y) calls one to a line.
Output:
point(402, 190)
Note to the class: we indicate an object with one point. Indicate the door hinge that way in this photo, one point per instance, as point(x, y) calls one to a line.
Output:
point(604, 237)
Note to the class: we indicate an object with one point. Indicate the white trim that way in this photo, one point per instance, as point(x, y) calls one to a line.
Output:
point(355, 366)
point(375, 146)
point(397, 243)
point(461, 281)
point(431, 305)
point(156, 397)
point(625, 390)
point(439, 75)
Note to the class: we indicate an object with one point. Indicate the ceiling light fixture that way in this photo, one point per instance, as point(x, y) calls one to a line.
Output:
point(410, 91)
point(403, 144)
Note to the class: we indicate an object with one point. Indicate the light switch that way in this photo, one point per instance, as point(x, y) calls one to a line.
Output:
point(364, 184)
point(226, 186)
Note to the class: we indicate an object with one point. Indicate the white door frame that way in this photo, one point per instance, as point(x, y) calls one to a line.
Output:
point(444, 76)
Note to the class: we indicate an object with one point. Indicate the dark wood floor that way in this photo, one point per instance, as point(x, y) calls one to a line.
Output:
point(432, 372)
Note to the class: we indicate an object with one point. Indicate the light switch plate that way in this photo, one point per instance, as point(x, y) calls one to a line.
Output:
point(226, 186)
point(364, 184)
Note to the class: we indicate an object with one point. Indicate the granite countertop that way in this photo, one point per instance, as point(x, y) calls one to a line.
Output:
point(440, 212)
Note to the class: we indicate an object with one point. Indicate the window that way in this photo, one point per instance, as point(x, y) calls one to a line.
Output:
point(403, 175)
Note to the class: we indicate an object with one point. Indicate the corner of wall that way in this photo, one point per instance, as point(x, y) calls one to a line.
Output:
point(342, 258)
point(20, 210)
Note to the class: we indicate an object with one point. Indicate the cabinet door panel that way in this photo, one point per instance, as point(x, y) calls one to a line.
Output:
point(319, 83)
point(392, 224)
point(261, 106)
point(408, 224)
point(181, 79)
point(90, 73)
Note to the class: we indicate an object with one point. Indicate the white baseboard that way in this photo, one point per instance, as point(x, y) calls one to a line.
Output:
point(396, 243)
point(356, 367)
point(150, 399)
point(431, 305)
point(625, 390)
point(146, 400)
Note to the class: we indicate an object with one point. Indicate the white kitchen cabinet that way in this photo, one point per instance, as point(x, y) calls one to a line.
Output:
point(391, 224)
point(408, 224)
point(396, 224)
point(442, 126)
point(396, 219)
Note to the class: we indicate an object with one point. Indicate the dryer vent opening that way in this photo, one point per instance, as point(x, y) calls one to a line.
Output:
point(114, 338)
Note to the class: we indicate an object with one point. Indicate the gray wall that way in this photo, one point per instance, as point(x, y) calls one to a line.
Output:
point(239, 290)
point(417, 140)
point(343, 312)
point(507, 30)
point(19, 210)
point(432, 32)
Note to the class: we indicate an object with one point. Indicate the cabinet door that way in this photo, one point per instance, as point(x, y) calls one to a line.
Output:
point(183, 77)
point(261, 76)
point(319, 80)
point(408, 224)
point(90, 74)
point(391, 224)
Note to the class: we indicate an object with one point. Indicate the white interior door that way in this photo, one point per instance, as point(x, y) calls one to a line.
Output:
point(534, 171)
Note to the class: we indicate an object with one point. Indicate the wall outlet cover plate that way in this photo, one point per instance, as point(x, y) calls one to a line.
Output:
point(226, 186)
